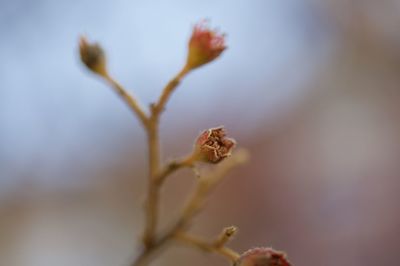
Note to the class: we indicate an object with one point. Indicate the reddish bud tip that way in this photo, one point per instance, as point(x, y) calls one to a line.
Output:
point(204, 46)
point(93, 56)
point(262, 257)
point(213, 146)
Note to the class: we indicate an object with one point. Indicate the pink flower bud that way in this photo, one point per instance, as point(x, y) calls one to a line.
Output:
point(213, 146)
point(93, 56)
point(204, 46)
point(262, 257)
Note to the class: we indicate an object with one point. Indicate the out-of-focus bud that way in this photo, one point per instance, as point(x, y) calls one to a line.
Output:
point(213, 146)
point(93, 56)
point(204, 46)
point(262, 257)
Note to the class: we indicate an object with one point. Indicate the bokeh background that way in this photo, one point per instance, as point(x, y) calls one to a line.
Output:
point(311, 88)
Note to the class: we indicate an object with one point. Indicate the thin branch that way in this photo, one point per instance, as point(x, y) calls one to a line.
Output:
point(168, 90)
point(129, 99)
point(154, 161)
point(226, 235)
point(173, 166)
point(194, 205)
point(208, 183)
point(151, 126)
point(204, 245)
point(93, 56)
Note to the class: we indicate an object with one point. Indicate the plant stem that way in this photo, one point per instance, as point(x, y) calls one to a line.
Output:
point(175, 165)
point(168, 90)
point(129, 99)
point(153, 187)
point(152, 126)
point(226, 235)
point(176, 234)
point(193, 205)
point(206, 246)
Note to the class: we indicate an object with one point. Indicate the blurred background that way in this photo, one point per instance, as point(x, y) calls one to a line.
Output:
point(311, 88)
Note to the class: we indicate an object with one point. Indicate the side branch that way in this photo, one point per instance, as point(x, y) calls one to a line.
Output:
point(193, 206)
point(129, 99)
point(159, 107)
point(208, 183)
point(206, 246)
point(226, 235)
point(175, 165)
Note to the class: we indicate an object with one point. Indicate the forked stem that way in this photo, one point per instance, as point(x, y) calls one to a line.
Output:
point(152, 127)
point(194, 204)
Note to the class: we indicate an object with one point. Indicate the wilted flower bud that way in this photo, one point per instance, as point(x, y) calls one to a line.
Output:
point(262, 257)
point(204, 46)
point(213, 146)
point(93, 56)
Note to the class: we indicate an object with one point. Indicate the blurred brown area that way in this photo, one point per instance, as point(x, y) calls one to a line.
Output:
point(322, 184)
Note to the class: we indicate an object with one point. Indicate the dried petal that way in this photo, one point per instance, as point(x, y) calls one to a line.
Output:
point(213, 146)
point(262, 257)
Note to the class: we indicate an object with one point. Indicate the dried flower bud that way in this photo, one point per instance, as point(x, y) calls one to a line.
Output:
point(93, 56)
point(204, 46)
point(262, 257)
point(213, 146)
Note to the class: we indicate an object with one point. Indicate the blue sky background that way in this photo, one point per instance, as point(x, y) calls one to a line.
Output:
point(58, 120)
